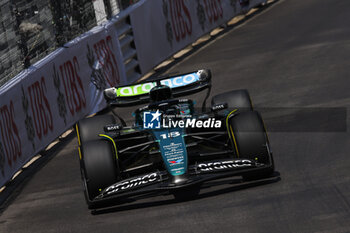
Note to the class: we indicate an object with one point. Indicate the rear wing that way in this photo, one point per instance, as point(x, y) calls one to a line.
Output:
point(181, 85)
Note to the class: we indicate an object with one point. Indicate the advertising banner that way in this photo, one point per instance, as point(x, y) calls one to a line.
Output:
point(58, 91)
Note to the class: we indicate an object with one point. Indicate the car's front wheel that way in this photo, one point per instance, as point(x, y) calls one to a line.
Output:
point(236, 99)
point(249, 137)
point(89, 128)
point(99, 167)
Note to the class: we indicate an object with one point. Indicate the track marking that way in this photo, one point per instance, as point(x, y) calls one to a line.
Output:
point(216, 31)
point(30, 162)
point(52, 144)
point(182, 52)
point(16, 174)
point(164, 63)
point(201, 40)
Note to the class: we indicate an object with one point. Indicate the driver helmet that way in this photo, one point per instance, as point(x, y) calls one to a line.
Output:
point(160, 93)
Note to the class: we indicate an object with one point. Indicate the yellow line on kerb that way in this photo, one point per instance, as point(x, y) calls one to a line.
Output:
point(111, 139)
point(230, 131)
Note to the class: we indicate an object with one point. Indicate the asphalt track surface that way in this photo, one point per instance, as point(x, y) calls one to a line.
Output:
point(296, 54)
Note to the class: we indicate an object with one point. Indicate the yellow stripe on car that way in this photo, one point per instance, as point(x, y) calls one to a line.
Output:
point(230, 131)
point(77, 129)
point(79, 153)
point(111, 139)
point(234, 141)
point(267, 136)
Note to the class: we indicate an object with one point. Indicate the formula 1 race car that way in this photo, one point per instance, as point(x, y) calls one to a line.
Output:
point(171, 146)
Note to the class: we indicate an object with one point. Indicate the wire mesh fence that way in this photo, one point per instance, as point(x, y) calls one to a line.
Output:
point(31, 29)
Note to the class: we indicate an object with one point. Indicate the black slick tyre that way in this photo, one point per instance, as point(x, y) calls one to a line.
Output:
point(237, 99)
point(250, 141)
point(89, 128)
point(99, 167)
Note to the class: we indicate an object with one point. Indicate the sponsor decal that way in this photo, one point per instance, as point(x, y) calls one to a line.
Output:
point(2, 160)
point(234, 5)
point(39, 121)
point(222, 165)
point(10, 139)
point(113, 127)
point(132, 183)
point(40, 108)
point(219, 107)
point(173, 149)
point(145, 88)
point(103, 63)
point(72, 98)
point(210, 10)
point(175, 161)
point(61, 101)
point(173, 134)
point(178, 20)
point(29, 125)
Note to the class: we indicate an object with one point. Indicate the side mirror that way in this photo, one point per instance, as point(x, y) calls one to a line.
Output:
point(204, 75)
point(110, 93)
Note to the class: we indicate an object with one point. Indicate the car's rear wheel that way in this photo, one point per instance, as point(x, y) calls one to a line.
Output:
point(250, 140)
point(237, 99)
point(89, 128)
point(99, 167)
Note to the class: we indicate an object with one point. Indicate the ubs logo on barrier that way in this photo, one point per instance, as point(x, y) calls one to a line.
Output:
point(234, 5)
point(37, 110)
point(60, 100)
point(180, 17)
point(73, 96)
point(210, 10)
point(103, 64)
point(179, 20)
point(10, 143)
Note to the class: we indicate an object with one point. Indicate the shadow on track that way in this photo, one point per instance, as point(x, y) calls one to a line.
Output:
point(15, 186)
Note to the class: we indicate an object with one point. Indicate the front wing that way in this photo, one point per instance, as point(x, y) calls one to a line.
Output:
point(162, 181)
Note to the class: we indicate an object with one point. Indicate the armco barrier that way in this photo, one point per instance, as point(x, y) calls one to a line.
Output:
point(45, 100)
